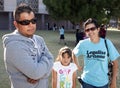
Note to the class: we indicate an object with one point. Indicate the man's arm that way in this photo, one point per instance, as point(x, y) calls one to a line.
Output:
point(25, 63)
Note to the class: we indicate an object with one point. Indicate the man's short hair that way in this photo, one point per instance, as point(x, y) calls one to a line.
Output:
point(20, 9)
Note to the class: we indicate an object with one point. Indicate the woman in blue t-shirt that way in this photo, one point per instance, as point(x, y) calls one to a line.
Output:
point(93, 49)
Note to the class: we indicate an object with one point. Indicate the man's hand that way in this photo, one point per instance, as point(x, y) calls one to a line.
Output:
point(32, 81)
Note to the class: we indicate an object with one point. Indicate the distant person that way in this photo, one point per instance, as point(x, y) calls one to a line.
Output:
point(77, 27)
point(79, 35)
point(103, 31)
point(27, 58)
point(94, 52)
point(48, 26)
point(62, 36)
point(64, 70)
point(54, 27)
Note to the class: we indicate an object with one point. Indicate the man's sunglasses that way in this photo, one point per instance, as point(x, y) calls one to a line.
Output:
point(90, 29)
point(27, 22)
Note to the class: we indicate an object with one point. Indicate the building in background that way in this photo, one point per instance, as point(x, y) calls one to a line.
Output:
point(44, 21)
point(113, 22)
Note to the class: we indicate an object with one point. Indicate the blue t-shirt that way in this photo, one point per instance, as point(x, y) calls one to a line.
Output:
point(95, 70)
point(61, 31)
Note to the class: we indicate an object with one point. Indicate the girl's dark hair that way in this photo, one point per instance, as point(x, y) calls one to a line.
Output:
point(64, 50)
point(20, 9)
point(89, 21)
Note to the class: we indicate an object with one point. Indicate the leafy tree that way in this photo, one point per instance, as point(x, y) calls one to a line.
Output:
point(80, 10)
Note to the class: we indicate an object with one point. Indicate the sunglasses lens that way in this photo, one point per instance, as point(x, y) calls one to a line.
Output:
point(87, 30)
point(92, 29)
point(33, 21)
point(27, 22)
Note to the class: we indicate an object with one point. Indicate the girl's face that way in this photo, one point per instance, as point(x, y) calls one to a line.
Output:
point(65, 59)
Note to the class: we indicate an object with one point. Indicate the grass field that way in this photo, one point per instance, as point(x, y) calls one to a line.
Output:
point(52, 39)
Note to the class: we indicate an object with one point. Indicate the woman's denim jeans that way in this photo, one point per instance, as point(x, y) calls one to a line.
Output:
point(85, 85)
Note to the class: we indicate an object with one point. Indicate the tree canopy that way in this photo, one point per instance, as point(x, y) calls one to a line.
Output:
point(80, 10)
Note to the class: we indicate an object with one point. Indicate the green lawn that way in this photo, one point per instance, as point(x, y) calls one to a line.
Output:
point(52, 39)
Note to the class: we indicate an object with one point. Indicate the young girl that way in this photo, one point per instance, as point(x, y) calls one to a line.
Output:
point(64, 70)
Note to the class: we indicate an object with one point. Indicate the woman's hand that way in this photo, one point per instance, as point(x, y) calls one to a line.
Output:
point(113, 85)
point(80, 68)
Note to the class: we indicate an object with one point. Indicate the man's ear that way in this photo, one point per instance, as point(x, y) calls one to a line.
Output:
point(15, 24)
